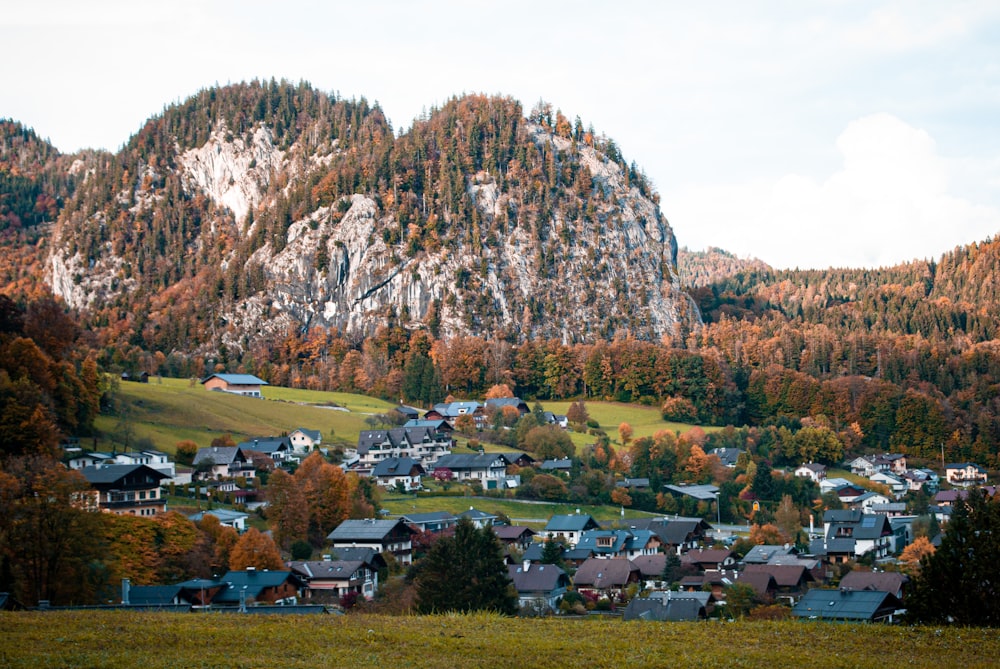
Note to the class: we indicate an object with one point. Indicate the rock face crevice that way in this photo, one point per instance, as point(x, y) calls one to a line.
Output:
point(600, 263)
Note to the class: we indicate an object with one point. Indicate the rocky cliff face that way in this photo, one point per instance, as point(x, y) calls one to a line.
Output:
point(599, 261)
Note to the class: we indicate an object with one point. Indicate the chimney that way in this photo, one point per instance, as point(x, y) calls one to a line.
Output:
point(525, 566)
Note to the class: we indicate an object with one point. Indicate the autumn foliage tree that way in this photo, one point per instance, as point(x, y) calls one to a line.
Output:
point(257, 550)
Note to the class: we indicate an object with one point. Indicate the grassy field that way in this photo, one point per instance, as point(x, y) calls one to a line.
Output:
point(170, 410)
point(123, 639)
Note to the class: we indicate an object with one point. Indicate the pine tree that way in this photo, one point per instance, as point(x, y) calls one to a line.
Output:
point(465, 573)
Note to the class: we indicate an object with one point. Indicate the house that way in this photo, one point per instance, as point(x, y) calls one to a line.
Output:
point(883, 581)
point(495, 404)
point(849, 534)
point(633, 484)
point(791, 581)
point(327, 581)
point(704, 559)
point(251, 586)
point(812, 471)
point(420, 443)
point(227, 518)
point(618, 543)
point(549, 418)
point(479, 518)
point(829, 485)
point(90, 459)
point(519, 459)
point(155, 459)
point(409, 413)
point(223, 462)
point(965, 474)
point(433, 521)
point(568, 528)
point(727, 456)
point(489, 469)
point(869, 499)
point(247, 385)
point(393, 536)
point(678, 533)
point(276, 448)
point(398, 472)
point(669, 607)
point(125, 489)
point(762, 583)
point(897, 463)
point(304, 440)
point(862, 466)
point(848, 493)
point(922, 479)
point(435, 425)
point(515, 536)
point(715, 581)
point(452, 411)
point(606, 577)
point(155, 597)
point(200, 591)
point(895, 483)
point(557, 466)
point(651, 567)
point(847, 605)
point(764, 553)
point(539, 586)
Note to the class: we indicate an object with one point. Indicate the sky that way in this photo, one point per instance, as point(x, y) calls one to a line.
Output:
point(845, 133)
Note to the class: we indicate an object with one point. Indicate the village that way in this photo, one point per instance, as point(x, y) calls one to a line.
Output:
point(846, 564)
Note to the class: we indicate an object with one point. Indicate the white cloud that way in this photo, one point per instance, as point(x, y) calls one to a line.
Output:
point(889, 202)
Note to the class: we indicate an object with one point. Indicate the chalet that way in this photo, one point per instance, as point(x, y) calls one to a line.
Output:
point(479, 518)
point(433, 521)
point(557, 466)
point(848, 493)
point(276, 448)
point(812, 471)
point(125, 489)
point(849, 534)
point(227, 518)
point(499, 403)
point(452, 411)
point(539, 586)
point(921, 479)
point(304, 440)
point(91, 459)
point(393, 536)
point(257, 586)
point(327, 581)
point(883, 581)
point(247, 385)
point(618, 543)
point(669, 608)
point(489, 469)
point(862, 466)
point(550, 418)
point(519, 459)
point(727, 456)
point(606, 577)
point(568, 528)
point(651, 567)
point(409, 413)
point(223, 462)
point(677, 533)
point(398, 472)
point(791, 581)
point(705, 559)
point(515, 536)
point(847, 605)
point(965, 474)
point(420, 443)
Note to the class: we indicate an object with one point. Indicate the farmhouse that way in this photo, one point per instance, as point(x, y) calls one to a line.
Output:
point(394, 536)
point(236, 384)
point(126, 489)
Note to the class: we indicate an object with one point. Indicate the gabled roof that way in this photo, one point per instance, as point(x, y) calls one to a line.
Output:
point(456, 409)
point(237, 379)
point(476, 514)
point(153, 595)
point(556, 465)
point(883, 581)
point(762, 582)
point(605, 573)
point(219, 455)
point(470, 461)
point(707, 556)
point(224, 515)
point(512, 532)
point(430, 517)
point(315, 435)
point(651, 566)
point(764, 553)
point(571, 523)
point(266, 445)
point(319, 570)
point(727, 456)
point(609, 542)
point(965, 465)
point(846, 605)
point(365, 530)
point(537, 577)
point(438, 425)
point(673, 531)
point(104, 475)
point(397, 467)
point(785, 575)
point(254, 581)
point(501, 402)
point(661, 609)
point(360, 554)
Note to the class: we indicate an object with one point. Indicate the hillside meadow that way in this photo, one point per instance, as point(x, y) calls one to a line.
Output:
point(125, 639)
point(167, 411)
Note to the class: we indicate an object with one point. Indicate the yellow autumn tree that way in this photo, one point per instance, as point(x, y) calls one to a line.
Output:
point(255, 549)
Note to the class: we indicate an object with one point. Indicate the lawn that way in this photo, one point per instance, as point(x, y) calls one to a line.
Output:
point(126, 639)
point(169, 410)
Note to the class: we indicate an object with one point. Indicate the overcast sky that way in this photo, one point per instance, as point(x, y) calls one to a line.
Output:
point(807, 134)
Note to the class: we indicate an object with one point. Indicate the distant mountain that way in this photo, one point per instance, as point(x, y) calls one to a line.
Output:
point(253, 209)
point(701, 268)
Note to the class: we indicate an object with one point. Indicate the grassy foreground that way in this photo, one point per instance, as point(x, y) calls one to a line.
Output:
point(115, 639)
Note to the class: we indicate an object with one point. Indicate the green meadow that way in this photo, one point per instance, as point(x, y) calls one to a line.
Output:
point(126, 639)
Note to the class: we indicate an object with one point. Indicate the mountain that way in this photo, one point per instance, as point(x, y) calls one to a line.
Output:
point(252, 210)
point(703, 268)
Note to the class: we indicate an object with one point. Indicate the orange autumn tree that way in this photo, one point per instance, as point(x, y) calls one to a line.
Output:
point(255, 549)
point(328, 492)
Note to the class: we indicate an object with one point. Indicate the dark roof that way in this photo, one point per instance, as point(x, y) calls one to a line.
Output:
point(111, 474)
point(560, 464)
point(662, 609)
point(267, 444)
point(537, 577)
point(673, 531)
point(368, 529)
point(762, 582)
point(785, 575)
point(512, 532)
point(397, 467)
point(605, 573)
point(846, 604)
point(571, 523)
point(360, 554)
point(501, 402)
point(476, 514)
point(728, 456)
point(237, 379)
point(253, 580)
point(651, 566)
point(764, 553)
point(699, 492)
point(219, 455)
point(462, 461)
point(409, 412)
point(152, 595)
point(315, 435)
point(884, 581)
point(313, 570)
point(430, 517)
point(438, 425)
point(533, 552)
